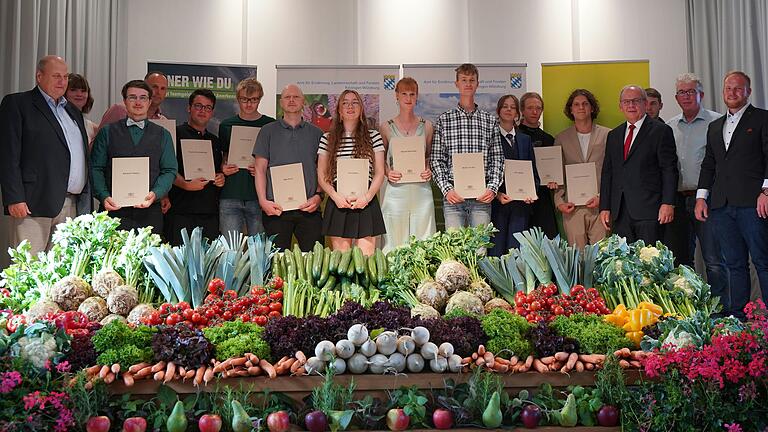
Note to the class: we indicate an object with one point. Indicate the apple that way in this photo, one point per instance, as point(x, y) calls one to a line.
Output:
point(316, 421)
point(397, 420)
point(442, 418)
point(135, 424)
point(531, 416)
point(278, 422)
point(209, 423)
point(608, 415)
point(98, 424)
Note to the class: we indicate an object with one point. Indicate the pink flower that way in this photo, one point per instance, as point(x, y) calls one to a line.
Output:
point(63, 367)
point(9, 380)
point(733, 427)
point(31, 400)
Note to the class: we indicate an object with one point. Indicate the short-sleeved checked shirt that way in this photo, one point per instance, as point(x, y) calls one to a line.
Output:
point(459, 131)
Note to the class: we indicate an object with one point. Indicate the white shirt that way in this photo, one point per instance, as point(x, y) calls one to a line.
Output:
point(731, 122)
point(638, 125)
point(504, 134)
point(584, 143)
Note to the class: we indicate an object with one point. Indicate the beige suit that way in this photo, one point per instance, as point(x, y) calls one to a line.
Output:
point(583, 225)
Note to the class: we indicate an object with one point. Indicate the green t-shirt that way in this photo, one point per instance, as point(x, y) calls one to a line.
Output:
point(240, 185)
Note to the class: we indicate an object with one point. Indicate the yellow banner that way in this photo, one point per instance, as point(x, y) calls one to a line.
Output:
point(603, 79)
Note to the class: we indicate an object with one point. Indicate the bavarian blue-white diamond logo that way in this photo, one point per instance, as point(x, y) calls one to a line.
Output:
point(389, 82)
point(516, 80)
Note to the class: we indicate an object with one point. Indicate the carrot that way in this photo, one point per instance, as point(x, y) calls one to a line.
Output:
point(110, 378)
point(467, 360)
point(254, 370)
point(301, 357)
point(238, 361)
point(296, 365)
point(624, 364)
point(181, 370)
point(481, 350)
point(199, 375)
point(208, 375)
point(190, 374)
point(475, 356)
point(144, 372)
point(159, 375)
point(592, 358)
point(93, 370)
point(565, 369)
point(528, 362)
point(170, 371)
point(137, 367)
point(579, 366)
point(522, 368)
point(489, 357)
point(104, 371)
point(480, 361)
point(222, 366)
point(288, 364)
point(115, 368)
point(500, 368)
point(638, 355)
point(624, 352)
point(158, 366)
point(301, 371)
point(503, 361)
point(561, 356)
point(547, 360)
point(589, 366)
point(89, 385)
point(128, 379)
point(248, 364)
point(556, 366)
point(268, 368)
point(635, 363)
point(513, 360)
point(241, 373)
point(539, 366)
point(572, 360)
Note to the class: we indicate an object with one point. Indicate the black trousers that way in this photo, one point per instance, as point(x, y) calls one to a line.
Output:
point(647, 230)
point(134, 218)
point(175, 222)
point(307, 227)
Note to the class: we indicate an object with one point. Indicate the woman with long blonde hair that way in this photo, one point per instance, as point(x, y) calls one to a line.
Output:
point(351, 220)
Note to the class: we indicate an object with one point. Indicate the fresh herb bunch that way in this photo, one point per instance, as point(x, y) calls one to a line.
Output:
point(507, 331)
point(235, 338)
point(547, 342)
point(182, 344)
point(465, 333)
point(82, 353)
point(25, 277)
point(594, 335)
point(330, 396)
point(116, 342)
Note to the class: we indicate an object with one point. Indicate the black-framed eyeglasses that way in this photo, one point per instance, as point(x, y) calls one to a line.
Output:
point(201, 107)
point(245, 100)
point(689, 92)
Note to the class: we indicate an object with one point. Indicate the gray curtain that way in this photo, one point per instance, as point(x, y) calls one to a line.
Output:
point(83, 32)
point(724, 35)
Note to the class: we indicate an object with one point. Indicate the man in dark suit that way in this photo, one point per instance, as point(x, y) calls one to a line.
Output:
point(639, 179)
point(735, 173)
point(44, 168)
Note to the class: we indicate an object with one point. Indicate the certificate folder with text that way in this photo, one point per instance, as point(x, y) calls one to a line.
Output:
point(352, 177)
point(518, 179)
point(288, 188)
point(408, 157)
point(468, 174)
point(549, 163)
point(197, 156)
point(241, 144)
point(130, 180)
point(581, 181)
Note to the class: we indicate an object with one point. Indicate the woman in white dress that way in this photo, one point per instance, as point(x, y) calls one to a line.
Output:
point(408, 208)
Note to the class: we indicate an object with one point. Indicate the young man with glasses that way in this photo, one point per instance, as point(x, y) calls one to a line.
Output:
point(195, 202)
point(639, 179)
point(238, 203)
point(134, 136)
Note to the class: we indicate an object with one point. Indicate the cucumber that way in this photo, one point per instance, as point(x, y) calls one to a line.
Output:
point(372, 277)
point(308, 267)
point(350, 268)
point(346, 258)
point(333, 265)
point(299, 260)
point(324, 270)
point(276, 265)
point(330, 283)
point(290, 265)
point(357, 256)
point(317, 260)
point(381, 265)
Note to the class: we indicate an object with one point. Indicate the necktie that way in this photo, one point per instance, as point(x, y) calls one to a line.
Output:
point(131, 122)
point(511, 140)
point(628, 141)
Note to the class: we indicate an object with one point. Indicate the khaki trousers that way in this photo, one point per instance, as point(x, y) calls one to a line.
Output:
point(583, 227)
point(38, 230)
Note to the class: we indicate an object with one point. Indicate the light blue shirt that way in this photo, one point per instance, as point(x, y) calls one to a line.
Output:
point(691, 143)
point(77, 174)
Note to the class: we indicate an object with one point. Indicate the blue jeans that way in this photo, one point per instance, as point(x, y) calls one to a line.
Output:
point(742, 234)
point(469, 213)
point(711, 252)
point(236, 214)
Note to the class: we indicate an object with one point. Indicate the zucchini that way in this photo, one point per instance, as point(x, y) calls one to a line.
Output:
point(276, 265)
point(350, 268)
point(372, 277)
point(324, 271)
point(317, 260)
point(357, 256)
point(290, 265)
point(333, 264)
point(308, 267)
point(330, 283)
point(346, 258)
point(299, 259)
point(381, 265)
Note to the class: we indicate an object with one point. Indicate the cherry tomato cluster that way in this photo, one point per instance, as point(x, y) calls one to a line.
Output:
point(220, 305)
point(544, 303)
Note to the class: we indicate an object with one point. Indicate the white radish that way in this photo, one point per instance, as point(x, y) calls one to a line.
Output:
point(315, 365)
point(378, 363)
point(345, 348)
point(429, 351)
point(438, 364)
point(339, 366)
point(368, 348)
point(454, 363)
point(357, 334)
point(406, 345)
point(420, 335)
point(397, 361)
point(357, 364)
point(386, 342)
point(445, 350)
point(415, 363)
point(325, 350)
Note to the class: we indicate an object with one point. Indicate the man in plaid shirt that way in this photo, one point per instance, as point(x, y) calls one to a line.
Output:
point(466, 129)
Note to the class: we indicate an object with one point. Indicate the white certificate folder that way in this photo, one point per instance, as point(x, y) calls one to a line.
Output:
point(241, 144)
point(518, 179)
point(288, 188)
point(130, 180)
point(197, 156)
point(468, 174)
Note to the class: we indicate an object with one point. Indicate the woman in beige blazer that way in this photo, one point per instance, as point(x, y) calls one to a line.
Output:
point(583, 142)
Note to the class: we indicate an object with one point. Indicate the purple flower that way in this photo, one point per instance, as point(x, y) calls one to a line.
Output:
point(9, 380)
point(63, 367)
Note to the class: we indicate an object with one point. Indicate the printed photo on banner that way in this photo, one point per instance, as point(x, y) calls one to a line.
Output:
point(319, 109)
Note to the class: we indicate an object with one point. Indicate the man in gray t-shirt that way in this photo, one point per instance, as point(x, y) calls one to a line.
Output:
point(290, 140)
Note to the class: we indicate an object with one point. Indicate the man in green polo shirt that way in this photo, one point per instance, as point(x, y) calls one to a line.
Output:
point(238, 203)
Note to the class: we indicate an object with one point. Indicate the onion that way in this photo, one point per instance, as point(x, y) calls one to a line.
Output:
point(454, 363)
point(368, 348)
point(397, 361)
point(386, 342)
point(406, 345)
point(420, 335)
point(357, 364)
point(315, 365)
point(345, 348)
point(378, 363)
point(325, 350)
point(415, 363)
point(445, 350)
point(357, 334)
point(438, 364)
point(429, 351)
point(339, 366)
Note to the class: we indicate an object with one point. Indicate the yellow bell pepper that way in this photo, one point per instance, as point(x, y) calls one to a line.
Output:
point(647, 318)
point(621, 310)
point(634, 323)
point(616, 320)
point(656, 309)
point(635, 337)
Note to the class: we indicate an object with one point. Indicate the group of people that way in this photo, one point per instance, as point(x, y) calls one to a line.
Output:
point(701, 175)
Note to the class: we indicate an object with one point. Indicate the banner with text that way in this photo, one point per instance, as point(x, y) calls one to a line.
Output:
point(438, 92)
point(184, 78)
point(323, 84)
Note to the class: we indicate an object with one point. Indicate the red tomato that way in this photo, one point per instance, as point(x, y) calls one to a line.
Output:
point(535, 305)
point(276, 307)
point(261, 320)
point(245, 318)
point(197, 317)
point(275, 314)
point(210, 313)
point(182, 305)
point(227, 315)
point(187, 313)
point(215, 285)
point(164, 308)
point(263, 310)
point(276, 295)
point(257, 290)
point(173, 319)
point(277, 282)
point(520, 311)
point(558, 310)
